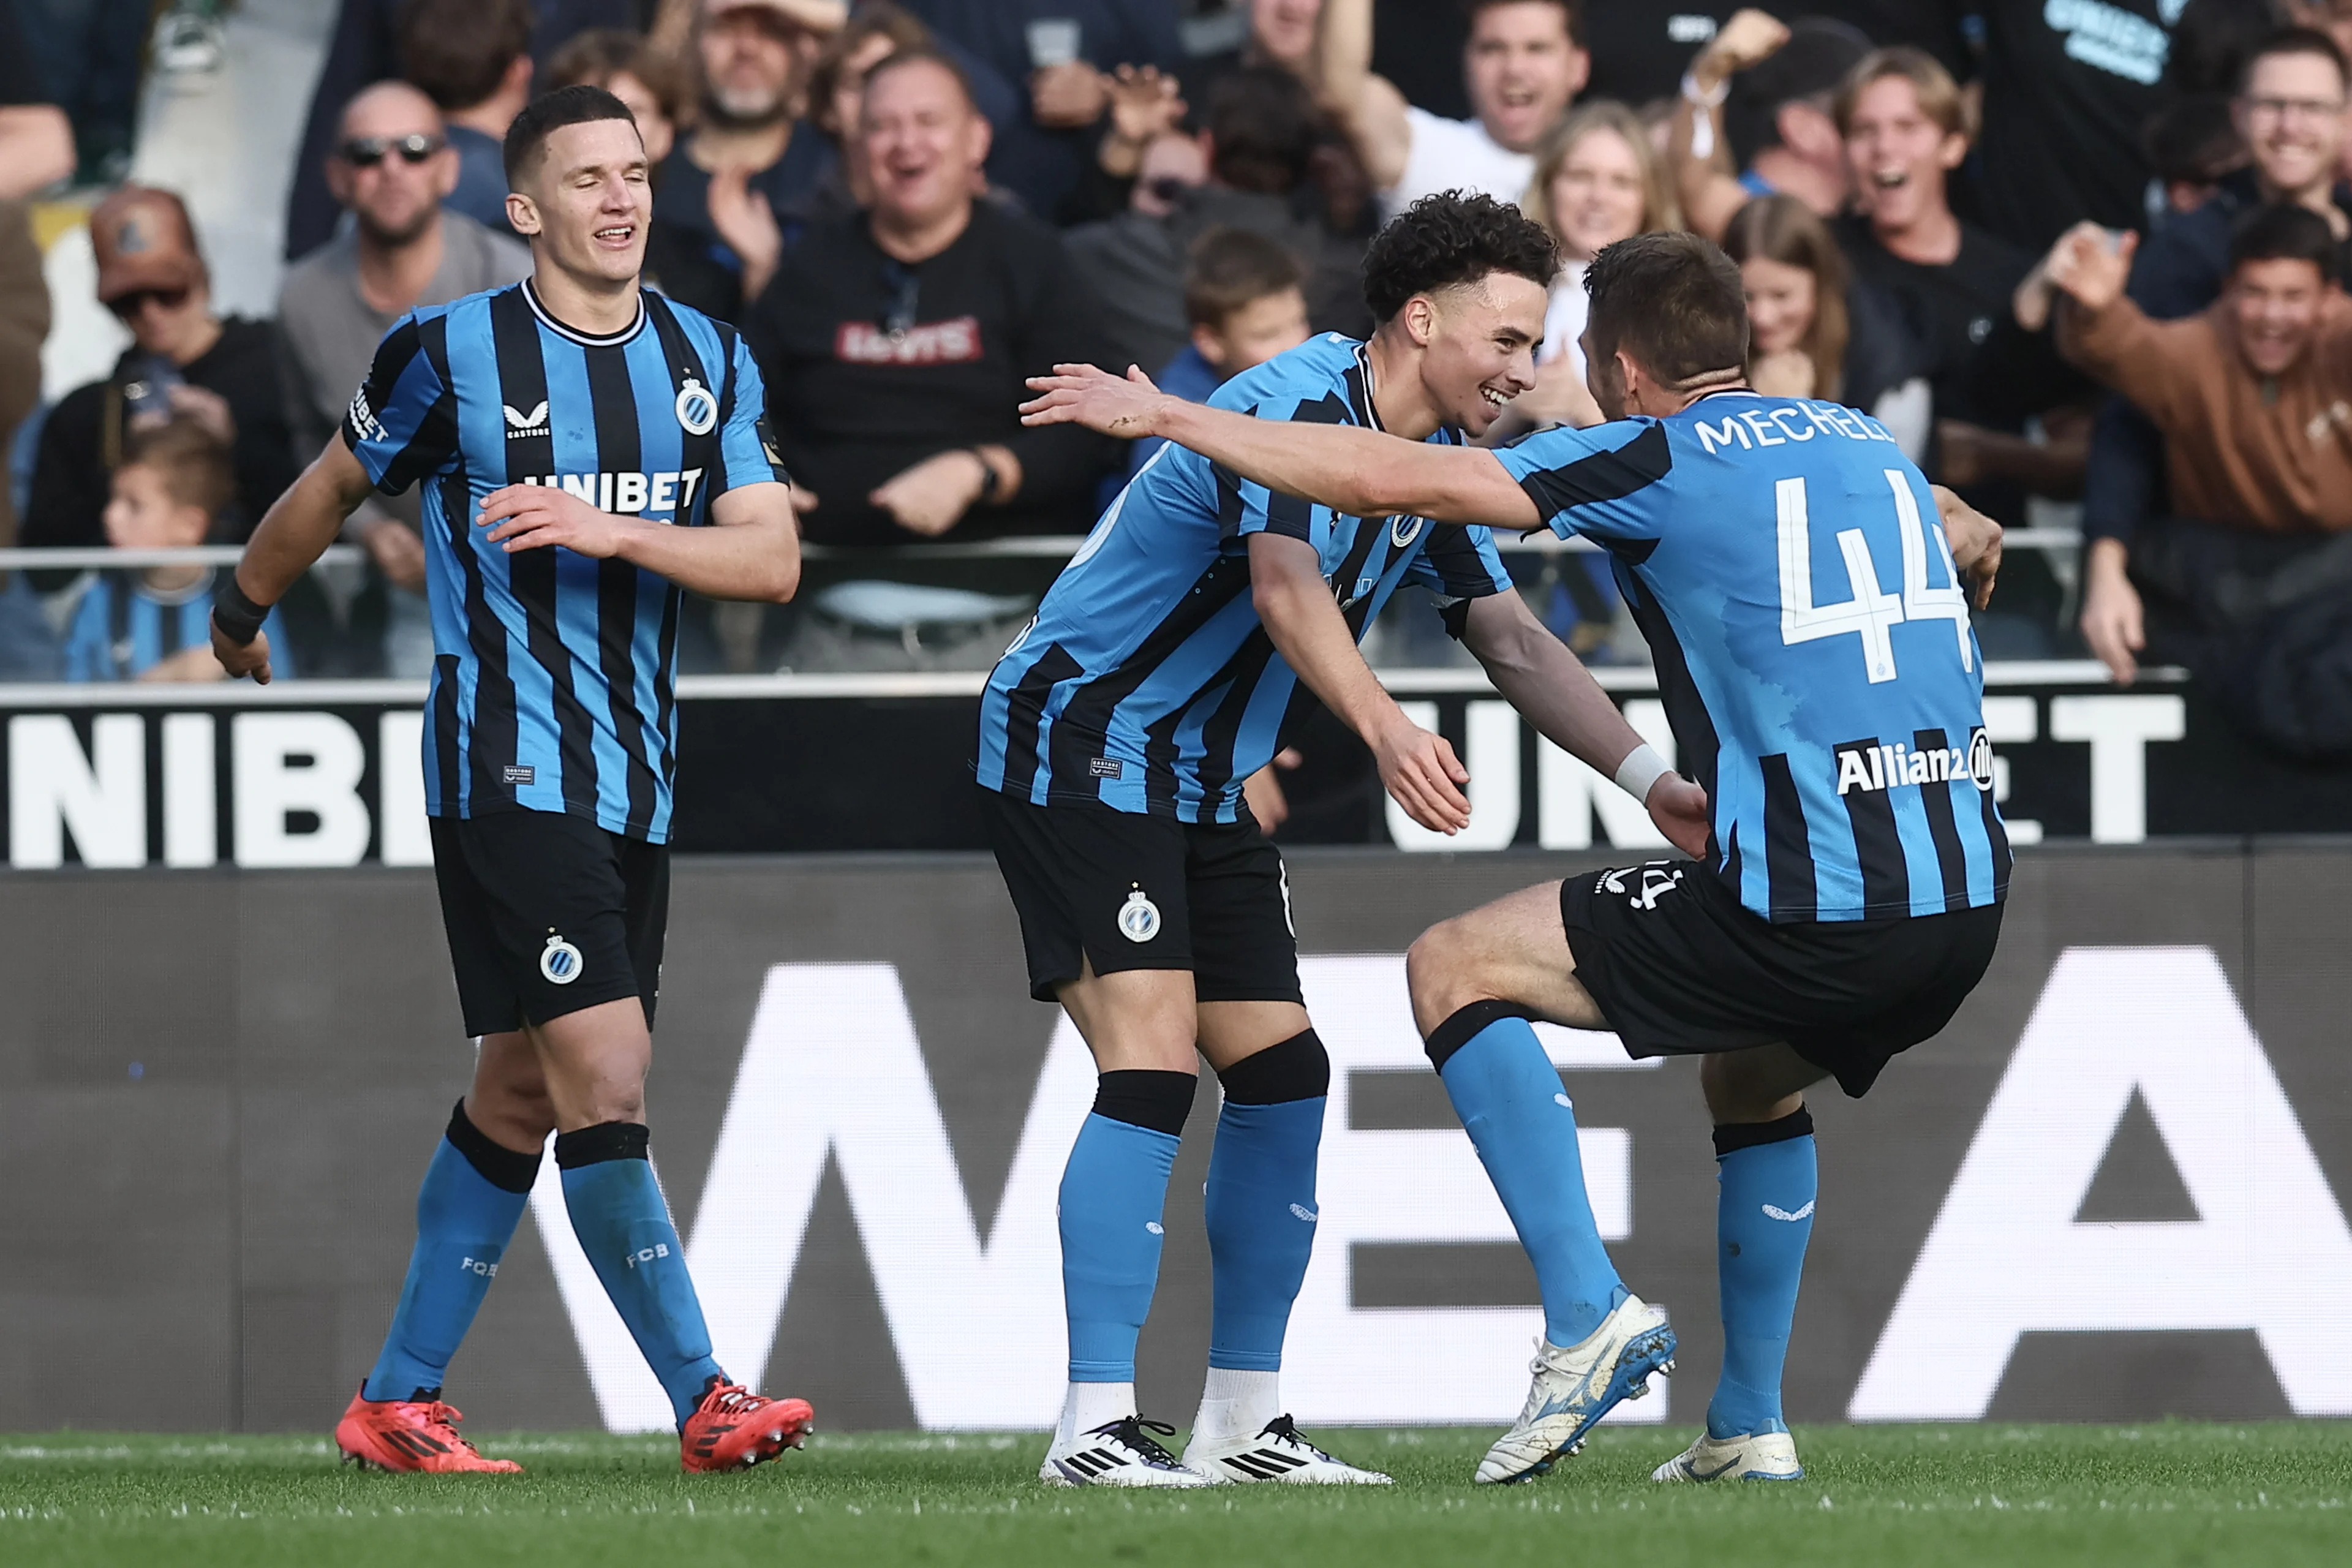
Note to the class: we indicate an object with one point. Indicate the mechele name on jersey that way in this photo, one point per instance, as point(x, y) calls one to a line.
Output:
point(626, 493)
point(1869, 767)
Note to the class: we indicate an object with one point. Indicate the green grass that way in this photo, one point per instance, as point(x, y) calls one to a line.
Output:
point(2005, 1496)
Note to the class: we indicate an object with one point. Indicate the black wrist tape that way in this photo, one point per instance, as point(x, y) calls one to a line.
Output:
point(239, 617)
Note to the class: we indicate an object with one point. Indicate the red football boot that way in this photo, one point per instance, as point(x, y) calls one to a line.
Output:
point(734, 1428)
point(411, 1435)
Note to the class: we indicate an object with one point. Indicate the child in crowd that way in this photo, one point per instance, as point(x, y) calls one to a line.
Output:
point(154, 623)
point(1243, 297)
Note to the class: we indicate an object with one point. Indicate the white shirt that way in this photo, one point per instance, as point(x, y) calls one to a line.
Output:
point(1564, 318)
point(1456, 155)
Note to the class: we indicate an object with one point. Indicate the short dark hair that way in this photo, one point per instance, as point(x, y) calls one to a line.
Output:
point(1263, 129)
point(457, 51)
point(2295, 41)
point(1807, 68)
point(575, 105)
point(1574, 10)
point(925, 54)
point(1231, 268)
point(875, 19)
point(1449, 238)
point(192, 463)
point(2194, 140)
point(599, 54)
point(2284, 232)
point(1673, 302)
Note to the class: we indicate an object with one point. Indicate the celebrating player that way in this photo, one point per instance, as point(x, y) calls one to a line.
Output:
point(559, 427)
point(1115, 735)
point(1811, 637)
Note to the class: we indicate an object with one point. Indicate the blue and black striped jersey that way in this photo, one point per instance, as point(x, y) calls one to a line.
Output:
point(1147, 682)
point(122, 628)
point(552, 672)
point(1787, 567)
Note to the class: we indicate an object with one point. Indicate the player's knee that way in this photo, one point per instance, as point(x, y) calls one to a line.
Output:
point(1738, 1092)
point(1440, 971)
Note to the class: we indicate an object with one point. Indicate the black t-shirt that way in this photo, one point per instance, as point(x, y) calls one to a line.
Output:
point(851, 404)
point(2068, 86)
point(1948, 312)
point(685, 258)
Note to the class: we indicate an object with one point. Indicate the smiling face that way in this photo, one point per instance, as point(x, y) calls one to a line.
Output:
point(1900, 156)
point(1597, 196)
point(924, 143)
point(2276, 306)
point(752, 59)
point(2292, 117)
point(1780, 304)
point(1478, 341)
point(586, 205)
point(1524, 70)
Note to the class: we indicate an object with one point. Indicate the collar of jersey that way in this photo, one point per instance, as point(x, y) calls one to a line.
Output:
point(1372, 409)
point(585, 339)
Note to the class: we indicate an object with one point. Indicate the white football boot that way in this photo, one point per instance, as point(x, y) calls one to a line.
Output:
point(1122, 1452)
point(1750, 1457)
point(1576, 1386)
point(1279, 1452)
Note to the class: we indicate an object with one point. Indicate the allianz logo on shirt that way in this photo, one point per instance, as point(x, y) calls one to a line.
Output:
point(1872, 768)
point(628, 494)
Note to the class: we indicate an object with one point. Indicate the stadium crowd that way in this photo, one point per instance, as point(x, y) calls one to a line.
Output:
point(2082, 257)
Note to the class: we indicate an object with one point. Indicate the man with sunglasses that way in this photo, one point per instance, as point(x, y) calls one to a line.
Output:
point(391, 169)
point(182, 359)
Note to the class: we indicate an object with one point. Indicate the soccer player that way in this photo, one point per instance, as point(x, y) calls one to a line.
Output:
point(586, 449)
point(1115, 735)
point(1811, 636)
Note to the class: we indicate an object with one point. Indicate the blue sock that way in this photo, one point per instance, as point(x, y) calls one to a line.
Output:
point(1261, 1198)
point(1763, 1217)
point(467, 1211)
point(1508, 1096)
point(623, 1226)
point(1114, 1193)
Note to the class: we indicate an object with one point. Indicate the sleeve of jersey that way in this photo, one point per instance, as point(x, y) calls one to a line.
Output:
point(1595, 482)
point(401, 422)
point(746, 453)
point(1249, 508)
point(1459, 564)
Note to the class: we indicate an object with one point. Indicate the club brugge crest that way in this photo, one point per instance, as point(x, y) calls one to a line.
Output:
point(697, 409)
point(1403, 531)
point(1139, 918)
point(560, 962)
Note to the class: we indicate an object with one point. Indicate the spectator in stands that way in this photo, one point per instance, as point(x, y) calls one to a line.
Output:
point(744, 182)
point(895, 342)
point(154, 623)
point(1260, 138)
point(37, 140)
point(183, 360)
point(1597, 181)
point(472, 58)
point(1814, 332)
point(626, 66)
point(1280, 33)
point(402, 251)
point(1243, 306)
point(875, 31)
point(1525, 63)
point(1760, 99)
point(1064, 52)
point(2193, 145)
point(2254, 399)
point(87, 55)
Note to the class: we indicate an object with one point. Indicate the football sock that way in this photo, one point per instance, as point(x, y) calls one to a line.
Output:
point(1236, 1403)
point(1509, 1098)
point(1763, 1217)
point(1260, 1203)
point(1114, 1192)
point(1088, 1407)
point(467, 1211)
point(624, 1227)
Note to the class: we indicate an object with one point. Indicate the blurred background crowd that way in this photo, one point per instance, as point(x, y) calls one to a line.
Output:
point(2082, 257)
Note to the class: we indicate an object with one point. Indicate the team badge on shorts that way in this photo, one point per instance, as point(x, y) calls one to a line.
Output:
point(1139, 918)
point(560, 962)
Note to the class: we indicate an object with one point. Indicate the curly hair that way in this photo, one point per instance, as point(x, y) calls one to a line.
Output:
point(1450, 238)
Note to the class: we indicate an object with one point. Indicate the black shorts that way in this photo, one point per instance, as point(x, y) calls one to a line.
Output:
point(1126, 890)
point(548, 914)
point(1679, 966)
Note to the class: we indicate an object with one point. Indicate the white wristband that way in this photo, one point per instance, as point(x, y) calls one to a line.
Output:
point(1701, 98)
point(1640, 770)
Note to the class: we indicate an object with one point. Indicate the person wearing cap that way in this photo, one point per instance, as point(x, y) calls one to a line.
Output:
point(183, 359)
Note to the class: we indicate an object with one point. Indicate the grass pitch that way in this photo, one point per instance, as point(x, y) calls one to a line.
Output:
point(2009, 1495)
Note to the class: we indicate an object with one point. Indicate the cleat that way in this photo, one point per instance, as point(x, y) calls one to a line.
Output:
point(1750, 1457)
point(1279, 1452)
point(411, 1436)
point(1122, 1454)
point(1575, 1387)
point(734, 1428)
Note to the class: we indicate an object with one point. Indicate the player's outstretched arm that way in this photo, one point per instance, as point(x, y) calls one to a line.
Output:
point(1975, 539)
point(291, 536)
point(1551, 689)
point(1360, 472)
point(1295, 605)
point(751, 551)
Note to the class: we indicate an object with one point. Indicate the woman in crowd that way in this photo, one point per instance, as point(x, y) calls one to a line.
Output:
point(1812, 331)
